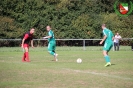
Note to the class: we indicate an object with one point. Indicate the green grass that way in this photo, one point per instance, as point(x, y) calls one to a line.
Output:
point(41, 72)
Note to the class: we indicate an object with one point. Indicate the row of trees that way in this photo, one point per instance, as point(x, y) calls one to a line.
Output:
point(68, 18)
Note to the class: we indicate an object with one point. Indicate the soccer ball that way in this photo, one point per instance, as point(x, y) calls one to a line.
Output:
point(79, 60)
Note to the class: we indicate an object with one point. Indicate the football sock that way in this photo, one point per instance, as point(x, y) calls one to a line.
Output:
point(107, 58)
point(27, 56)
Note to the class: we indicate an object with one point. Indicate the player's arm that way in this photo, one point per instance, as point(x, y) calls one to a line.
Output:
point(103, 39)
point(120, 37)
point(113, 38)
point(47, 37)
point(22, 42)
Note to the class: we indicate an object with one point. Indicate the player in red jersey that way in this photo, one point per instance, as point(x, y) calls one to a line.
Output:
point(27, 38)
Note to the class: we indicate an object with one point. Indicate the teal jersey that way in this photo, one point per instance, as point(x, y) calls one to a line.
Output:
point(52, 39)
point(109, 35)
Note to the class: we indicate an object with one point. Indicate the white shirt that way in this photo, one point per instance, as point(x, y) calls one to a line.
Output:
point(117, 38)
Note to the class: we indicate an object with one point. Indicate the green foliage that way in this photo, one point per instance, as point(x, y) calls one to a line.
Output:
point(68, 18)
point(8, 28)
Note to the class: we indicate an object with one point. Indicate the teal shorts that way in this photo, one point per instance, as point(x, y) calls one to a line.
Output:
point(51, 46)
point(107, 46)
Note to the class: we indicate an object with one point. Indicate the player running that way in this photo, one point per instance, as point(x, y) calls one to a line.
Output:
point(108, 38)
point(28, 37)
point(52, 43)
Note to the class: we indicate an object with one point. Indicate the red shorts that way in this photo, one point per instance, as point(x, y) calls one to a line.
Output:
point(26, 45)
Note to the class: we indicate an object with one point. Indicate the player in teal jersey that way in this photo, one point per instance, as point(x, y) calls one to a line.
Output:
point(108, 38)
point(52, 43)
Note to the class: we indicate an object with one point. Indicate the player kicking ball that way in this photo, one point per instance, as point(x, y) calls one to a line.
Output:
point(108, 38)
point(28, 37)
point(52, 43)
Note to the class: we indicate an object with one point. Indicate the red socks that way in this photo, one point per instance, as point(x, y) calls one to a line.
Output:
point(26, 57)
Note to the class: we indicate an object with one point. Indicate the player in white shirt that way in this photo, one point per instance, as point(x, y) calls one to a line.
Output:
point(116, 41)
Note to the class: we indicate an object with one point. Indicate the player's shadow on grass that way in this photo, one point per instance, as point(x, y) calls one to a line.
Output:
point(113, 64)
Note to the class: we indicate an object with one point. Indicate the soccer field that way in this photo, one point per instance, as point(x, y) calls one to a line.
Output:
point(41, 72)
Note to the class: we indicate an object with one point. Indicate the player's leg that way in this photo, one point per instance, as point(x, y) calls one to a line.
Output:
point(117, 46)
point(106, 49)
point(50, 49)
point(54, 47)
point(24, 55)
point(27, 54)
point(56, 55)
point(106, 56)
point(26, 48)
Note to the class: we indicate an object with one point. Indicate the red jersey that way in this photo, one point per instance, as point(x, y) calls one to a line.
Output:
point(28, 37)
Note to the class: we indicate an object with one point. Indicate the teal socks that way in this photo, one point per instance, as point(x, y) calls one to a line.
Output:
point(107, 58)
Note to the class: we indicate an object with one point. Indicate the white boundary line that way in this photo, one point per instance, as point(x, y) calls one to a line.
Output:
point(100, 74)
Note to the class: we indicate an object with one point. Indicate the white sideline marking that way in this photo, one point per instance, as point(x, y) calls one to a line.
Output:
point(99, 74)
